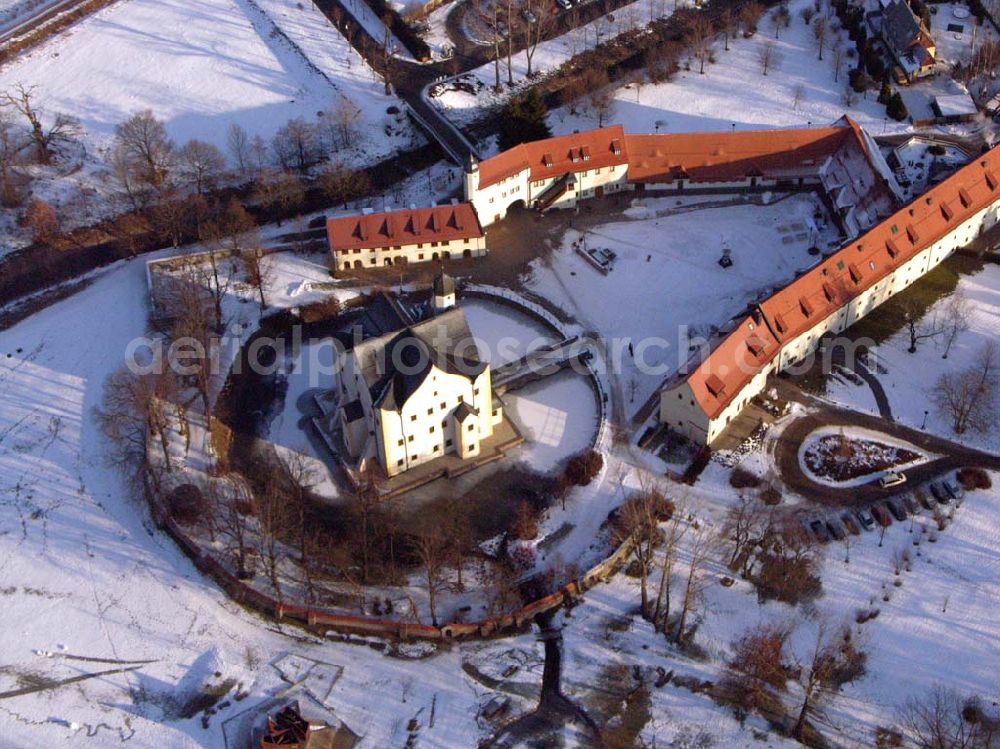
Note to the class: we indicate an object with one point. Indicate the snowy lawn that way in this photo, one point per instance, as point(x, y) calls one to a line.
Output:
point(199, 65)
point(910, 378)
point(667, 267)
point(733, 90)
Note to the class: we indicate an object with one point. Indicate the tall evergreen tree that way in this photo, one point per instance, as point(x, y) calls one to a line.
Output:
point(523, 120)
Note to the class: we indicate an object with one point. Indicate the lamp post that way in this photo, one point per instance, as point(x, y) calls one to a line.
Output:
point(924, 422)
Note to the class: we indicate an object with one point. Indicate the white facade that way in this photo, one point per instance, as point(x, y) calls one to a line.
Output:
point(401, 418)
point(418, 252)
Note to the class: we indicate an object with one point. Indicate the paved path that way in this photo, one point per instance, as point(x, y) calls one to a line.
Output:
point(785, 450)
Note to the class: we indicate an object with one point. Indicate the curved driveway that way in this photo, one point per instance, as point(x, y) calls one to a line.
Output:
point(785, 451)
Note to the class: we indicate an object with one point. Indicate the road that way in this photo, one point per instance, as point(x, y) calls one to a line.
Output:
point(39, 16)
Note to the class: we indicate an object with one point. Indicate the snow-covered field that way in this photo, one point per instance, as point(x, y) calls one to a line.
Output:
point(733, 91)
point(199, 66)
point(666, 266)
point(910, 378)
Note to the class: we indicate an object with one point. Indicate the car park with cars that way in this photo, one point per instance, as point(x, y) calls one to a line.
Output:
point(865, 518)
point(892, 479)
point(896, 508)
point(881, 514)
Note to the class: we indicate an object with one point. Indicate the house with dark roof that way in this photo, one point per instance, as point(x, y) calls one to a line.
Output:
point(414, 235)
point(911, 49)
point(415, 394)
point(705, 395)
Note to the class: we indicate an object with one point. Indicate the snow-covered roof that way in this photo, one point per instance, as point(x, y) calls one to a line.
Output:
point(955, 105)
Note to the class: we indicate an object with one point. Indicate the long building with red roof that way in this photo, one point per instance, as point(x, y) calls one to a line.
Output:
point(708, 393)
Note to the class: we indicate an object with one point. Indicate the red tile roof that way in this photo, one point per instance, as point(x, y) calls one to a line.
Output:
point(856, 267)
point(412, 226)
point(713, 157)
point(556, 156)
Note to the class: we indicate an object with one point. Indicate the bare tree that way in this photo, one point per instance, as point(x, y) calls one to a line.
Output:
point(919, 326)
point(200, 164)
point(838, 61)
point(259, 273)
point(942, 719)
point(820, 29)
point(175, 217)
point(63, 129)
point(146, 147)
point(956, 319)
point(746, 527)
point(134, 409)
point(729, 23)
point(13, 182)
point(230, 231)
point(602, 102)
point(194, 353)
point(364, 504)
point(700, 34)
point(969, 398)
point(749, 18)
point(536, 30)
point(637, 525)
point(238, 143)
point(297, 145)
point(768, 56)
point(273, 521)
point(42, 220)
point(780, 19)
point(833, 661)
point(761, 664)
point(341, 123)
point(298, 478)
point(701, 550)
point(233, 512)
point(279, 191)
point(676, 529)
point(340, 183)
point(798, 94)
point(431, 549)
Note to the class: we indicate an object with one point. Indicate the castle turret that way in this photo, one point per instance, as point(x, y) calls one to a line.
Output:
point(444, 292)
point(471, 178)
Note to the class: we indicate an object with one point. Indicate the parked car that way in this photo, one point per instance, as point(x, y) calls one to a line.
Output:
point(939, 493)
point(564, 4)
point(836, 529)
point(892, 479)
point(865, 518)
point(851, 524)
point(925, 499)
point(953, 488)
point(881, 515)
point(528, 16)
point(819, 531)
point(896, 508)
point(910, 503)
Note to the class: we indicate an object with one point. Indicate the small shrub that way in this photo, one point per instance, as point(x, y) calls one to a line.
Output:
point(974, 478)
point(888, 738)
point(741, 478)
point(321, 310)
point(770, 495)
point(525, 523)
point(186, 504)
point(583, 468)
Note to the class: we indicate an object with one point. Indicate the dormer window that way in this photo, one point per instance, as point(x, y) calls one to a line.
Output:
point(991, 181)
point(585, 152)
point(828, 292)
point(715, 385)
point(805, 306)
point(946, 212)
point(616, 147)
point(547, 159)
point(891, 248)
point(856, 274)
point(911, 234)
point(963, 197)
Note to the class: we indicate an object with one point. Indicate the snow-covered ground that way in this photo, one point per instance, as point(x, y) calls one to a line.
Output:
point(910, 378)
point(549, 55)
point(197, 65)
point(733, 90)
point(667, 267)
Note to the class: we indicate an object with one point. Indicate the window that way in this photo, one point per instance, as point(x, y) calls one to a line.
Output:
point(399, 444)
point(432, 429)
point(437, 448)
point(399, 462)
point(410, 438)
point(413, 417)
point(443, 404)
point(420, 256)
point(430, 411)
point(448, 443)
point(496, 411)
point(475, 391)
point(471, 427)
point(472, 448)
point(444, 424)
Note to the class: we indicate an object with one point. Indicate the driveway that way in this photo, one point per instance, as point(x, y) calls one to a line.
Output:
point(784, 449)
